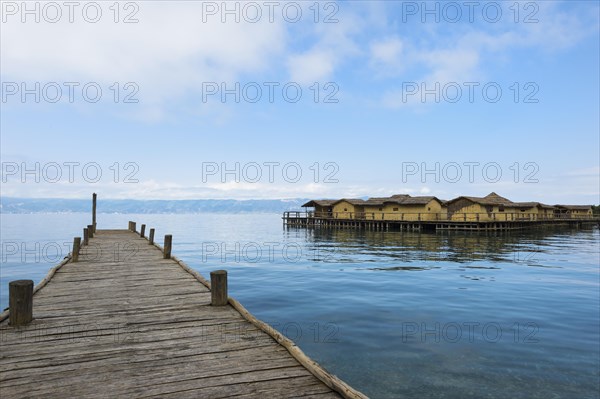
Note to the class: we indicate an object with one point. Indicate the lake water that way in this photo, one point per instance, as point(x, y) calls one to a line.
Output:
point(395, 314)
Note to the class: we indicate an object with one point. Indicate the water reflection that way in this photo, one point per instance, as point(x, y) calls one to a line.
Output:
point(360, 246)
point(394, 297)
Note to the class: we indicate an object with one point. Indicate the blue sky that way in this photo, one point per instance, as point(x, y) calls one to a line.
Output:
point(373, 59)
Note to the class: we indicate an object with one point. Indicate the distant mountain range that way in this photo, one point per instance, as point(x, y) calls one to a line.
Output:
point(56, 205)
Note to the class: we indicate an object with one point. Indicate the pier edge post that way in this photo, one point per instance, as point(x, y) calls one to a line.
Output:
point(142, 230)
point(218, 287)
point(133, 226)
point(20, 302)
point(85, 236)
point(167, 246)
point(90, 231)
point(76, 247)
point(94, 197)
point(151, 237)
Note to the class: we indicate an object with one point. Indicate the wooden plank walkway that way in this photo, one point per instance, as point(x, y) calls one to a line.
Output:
point(124, 322)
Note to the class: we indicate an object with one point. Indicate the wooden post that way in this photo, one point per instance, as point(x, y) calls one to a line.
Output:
point(94, 196)
point(90, 231)
point(142, 230)
point(133, 227)
point(218, 287)
point(167, 246)
point(76, 247)
point(151, 238)
point(85, 236)
point(20, 298)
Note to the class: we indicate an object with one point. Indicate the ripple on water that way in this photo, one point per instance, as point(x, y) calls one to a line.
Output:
point(383, 310)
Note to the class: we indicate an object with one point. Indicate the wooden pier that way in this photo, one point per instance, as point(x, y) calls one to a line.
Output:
point(471, 222)
point(122, 318)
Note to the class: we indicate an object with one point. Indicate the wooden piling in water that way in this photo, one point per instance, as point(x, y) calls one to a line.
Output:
point(167, 246)
point(94, 197)
point(76, 247)
point(142, 230)
point(218, 288)
point(20, 298)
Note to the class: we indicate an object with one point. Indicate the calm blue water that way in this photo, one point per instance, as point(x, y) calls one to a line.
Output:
point(458, 315)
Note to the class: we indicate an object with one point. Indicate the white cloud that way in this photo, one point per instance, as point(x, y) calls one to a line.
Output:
point(442, 55)
point(593, 171)
point(152, 189)
point(172, 51)
point(331, 46)
point(387, 53)
point(312, 66)
point(169, 53)
point(560, 25)
point(451, 65)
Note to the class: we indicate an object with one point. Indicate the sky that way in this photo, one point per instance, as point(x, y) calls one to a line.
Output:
point(300, 99)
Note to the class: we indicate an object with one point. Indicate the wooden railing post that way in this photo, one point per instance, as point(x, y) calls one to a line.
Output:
point(167, 246)
point(94, 197)
point(20, 298)
point(218, 287)
point(85, 236)
point(133, 226)
point(90, 231)
point(151, 237)
point(142, 230)
point(76, 247)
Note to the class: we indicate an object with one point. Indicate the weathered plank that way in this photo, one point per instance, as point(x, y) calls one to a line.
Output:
point(125, 322)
